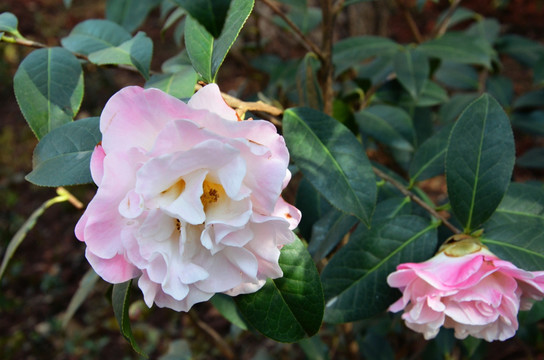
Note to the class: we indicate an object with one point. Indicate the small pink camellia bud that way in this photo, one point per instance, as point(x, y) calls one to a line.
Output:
point(188, 198)
point(467, 288)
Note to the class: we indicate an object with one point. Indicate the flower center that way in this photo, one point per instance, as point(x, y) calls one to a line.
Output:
point(212, 193)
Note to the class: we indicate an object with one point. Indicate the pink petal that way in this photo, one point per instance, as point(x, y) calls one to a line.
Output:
point(209, 98)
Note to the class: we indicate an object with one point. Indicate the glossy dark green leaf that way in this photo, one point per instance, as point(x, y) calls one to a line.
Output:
point(49, 88)
point(522, 203)
point(328, 231)
point(538, 71)
point(521, 48)
point(227, 307)
point(306, 18)
point(312, 205)
point(530, 99)
point(94, 35)
point(120, 299)
point(479, 161)
point(412, 69)
point(63, 156)
point(209, 13)
point(529, 122)
point(429, 158)
point(532, 159)
point(354, 50)
point(354, 281)
point(455, 106)
point(290, 308)
point(130, 14)
point(520, 243)
point(460, 48)
point(8, 23)
point(180, 84)
point(501, 88)
point(206, 53)
point(459, 15)
point(487, 29)
point(307, 83)
point(458, 76)
point(377, 70)
point(332, 159)
point(136, 52)
point(432, 94)
point(389, 125)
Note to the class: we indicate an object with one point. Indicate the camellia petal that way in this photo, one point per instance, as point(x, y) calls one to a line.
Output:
point(188, 198)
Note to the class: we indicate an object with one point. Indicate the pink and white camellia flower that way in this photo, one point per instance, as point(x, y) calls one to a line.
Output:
point(188, 198)
point(467, 288)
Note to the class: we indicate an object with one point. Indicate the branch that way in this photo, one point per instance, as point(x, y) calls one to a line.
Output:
point(309, 44)
point(225, 349)
point(329, 17)
point(410, 20)
point(441, 27)
point(416, 199)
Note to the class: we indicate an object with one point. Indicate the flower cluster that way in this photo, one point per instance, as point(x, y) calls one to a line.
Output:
point(467, 288)
point(188, 198)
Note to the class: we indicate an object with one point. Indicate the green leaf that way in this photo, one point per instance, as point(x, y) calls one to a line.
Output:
point(389, 125)
point(459, 15)
point(8, 23)
point(332, 159)
point(431, 95)
point(487, 29)
point(455, 106)
point(429, 158)
point(290, 308)
point(308, 87)
point(63, 156)
point(49, 88)
point(206, 53)
point(227, 307)
point(522, 203)
point(180, 84)
point(328, 231)
point(412, 68)
point(136, 52)
point(354, 50)
point(530, 99)
point(460, 48)
point(312, 205)
point(538, 71)
point(120, 297)
point(129, 13)
point(209, 13)
point(529, 122)
point(458, 76)
point(479, 161)
point(95, 35)
point(520, 243)
point(354, 281)
point(522, 49)
point(501, 88)
point(86, 286)
point(532, 159)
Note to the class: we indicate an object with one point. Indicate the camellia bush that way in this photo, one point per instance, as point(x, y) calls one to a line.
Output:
point(188, 204)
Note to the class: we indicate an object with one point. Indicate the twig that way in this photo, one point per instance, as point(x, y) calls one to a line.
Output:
point(416, 199)
point(326, 61)
point(225, 349)
point(338, 7)
point(71, 198)
point(410, 20)
point(243, 106)
point(309, 44)
point(441, 28)
point(38, 45)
